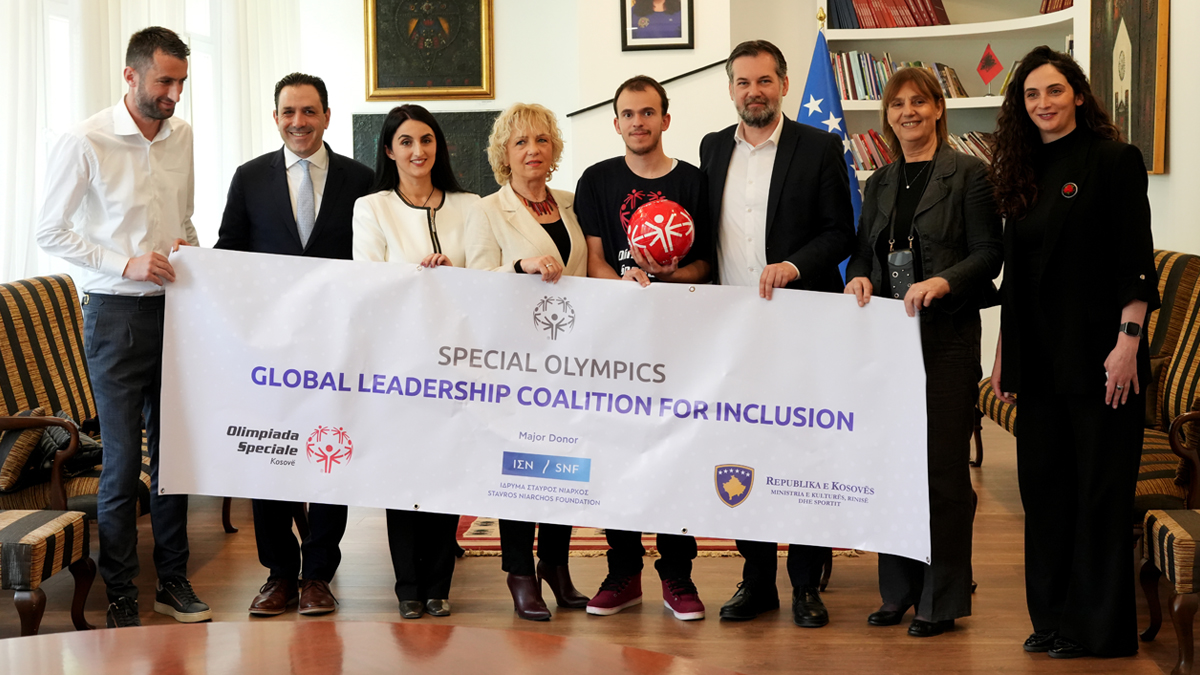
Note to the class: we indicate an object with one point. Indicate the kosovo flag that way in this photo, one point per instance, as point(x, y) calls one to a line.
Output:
point(822, 108)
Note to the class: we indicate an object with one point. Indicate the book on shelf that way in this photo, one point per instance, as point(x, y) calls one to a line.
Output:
point(870, 151)
point(892, 13)
point(1049, 6)
point(861, 76)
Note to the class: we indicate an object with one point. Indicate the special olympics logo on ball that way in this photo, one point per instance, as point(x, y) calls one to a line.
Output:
point(661, 230)
point(554, 316)
point(328, 446)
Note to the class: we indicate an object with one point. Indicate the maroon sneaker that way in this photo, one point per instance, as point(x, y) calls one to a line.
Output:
point(616, 593)
point(680, 596)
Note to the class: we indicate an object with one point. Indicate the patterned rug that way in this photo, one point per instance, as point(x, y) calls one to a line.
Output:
point(481, 537)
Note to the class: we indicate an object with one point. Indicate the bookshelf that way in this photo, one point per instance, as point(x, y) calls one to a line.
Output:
point(1012, 27)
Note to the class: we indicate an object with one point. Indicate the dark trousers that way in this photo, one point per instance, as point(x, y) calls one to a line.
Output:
point(123, 345)
point(516, 545)
point(317, 557)
point(1077, 464)
point(804, 564)
point(625, 554)
point(941, 590)
point(422, 545)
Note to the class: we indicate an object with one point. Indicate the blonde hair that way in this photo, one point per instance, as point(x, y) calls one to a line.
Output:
point(521, 117)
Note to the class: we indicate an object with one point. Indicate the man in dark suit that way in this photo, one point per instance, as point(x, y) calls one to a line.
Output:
point(298, 200)
point(781, 196)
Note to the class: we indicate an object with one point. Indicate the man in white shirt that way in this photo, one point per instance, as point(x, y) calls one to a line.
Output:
point(297, 200)
point(118, 201)
point(781, 195)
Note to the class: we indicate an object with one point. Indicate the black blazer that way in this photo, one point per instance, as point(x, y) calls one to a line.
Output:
point(1097, 257)
point(956, 222)
point(258, 211)
point(810, 221)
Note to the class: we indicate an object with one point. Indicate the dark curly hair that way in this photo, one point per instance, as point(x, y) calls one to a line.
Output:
point(1017, 137)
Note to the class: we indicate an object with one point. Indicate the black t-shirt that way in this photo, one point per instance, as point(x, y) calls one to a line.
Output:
point(609, 192)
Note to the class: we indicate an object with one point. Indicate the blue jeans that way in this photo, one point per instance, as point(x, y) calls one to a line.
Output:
point(123, 344)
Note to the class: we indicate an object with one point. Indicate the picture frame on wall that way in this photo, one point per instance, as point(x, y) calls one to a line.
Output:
point(657, 24)
point(1129, 49)
point(429, 49)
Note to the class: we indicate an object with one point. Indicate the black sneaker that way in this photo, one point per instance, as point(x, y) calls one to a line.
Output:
point(176, 598)
point(123, 612)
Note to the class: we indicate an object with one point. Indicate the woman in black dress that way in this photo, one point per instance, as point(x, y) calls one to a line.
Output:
point(933, 205)
point(1079, 282)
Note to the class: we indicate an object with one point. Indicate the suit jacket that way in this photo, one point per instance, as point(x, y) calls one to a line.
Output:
point(1097, 256)
point(258, 211)
point(810, 220)
point(500, 231)
point(956, 224)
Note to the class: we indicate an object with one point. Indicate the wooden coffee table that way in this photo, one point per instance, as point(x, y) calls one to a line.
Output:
point(329, 647)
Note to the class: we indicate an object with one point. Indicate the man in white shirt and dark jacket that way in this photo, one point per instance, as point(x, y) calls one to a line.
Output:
point(119, 194)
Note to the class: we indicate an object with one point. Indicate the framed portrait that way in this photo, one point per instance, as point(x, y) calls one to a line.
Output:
point(657, 24)
point(1129, 71)
point(429, 49)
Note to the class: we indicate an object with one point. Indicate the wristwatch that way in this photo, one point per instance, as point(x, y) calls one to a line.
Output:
point(1131, 329)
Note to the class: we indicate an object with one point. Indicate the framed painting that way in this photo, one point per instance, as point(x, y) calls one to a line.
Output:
point(1129, 71)
point(657, 24)
point(429, 49)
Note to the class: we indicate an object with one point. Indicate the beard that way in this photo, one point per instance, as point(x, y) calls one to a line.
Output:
point(758, 119)
point(643, 150)
point(147, 105)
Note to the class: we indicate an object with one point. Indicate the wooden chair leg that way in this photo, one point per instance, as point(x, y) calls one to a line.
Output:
point(1149, 577)
point(84, 571)
point(826, 570)
point(1183, 612)
point(978, 461)
point(225, 506)
point(30, 607)
point(300, 515)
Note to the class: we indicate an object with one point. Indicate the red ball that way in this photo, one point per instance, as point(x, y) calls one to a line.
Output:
point(661, 230)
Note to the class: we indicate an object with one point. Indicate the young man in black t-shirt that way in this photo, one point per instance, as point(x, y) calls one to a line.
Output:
point(606, 197)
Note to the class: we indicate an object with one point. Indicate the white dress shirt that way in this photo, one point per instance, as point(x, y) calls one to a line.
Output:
point(318, 168)
point(742, 238)
point(112, 195)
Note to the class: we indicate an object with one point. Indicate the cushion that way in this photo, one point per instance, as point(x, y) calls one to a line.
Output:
point(1171, 545)
point(16, 446)
point(1156, 486)
point(34, 545)
point(1004, 414)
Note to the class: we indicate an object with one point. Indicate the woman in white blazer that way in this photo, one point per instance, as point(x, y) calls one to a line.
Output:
point(527, 228)
point(416, 214)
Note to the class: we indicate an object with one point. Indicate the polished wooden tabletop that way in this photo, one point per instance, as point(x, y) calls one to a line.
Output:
point(329, 647)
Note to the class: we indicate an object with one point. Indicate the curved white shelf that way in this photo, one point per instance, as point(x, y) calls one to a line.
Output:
point(953, 30)
point(951, 103)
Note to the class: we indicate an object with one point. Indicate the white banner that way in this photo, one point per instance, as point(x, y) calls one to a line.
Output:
point(687, 409)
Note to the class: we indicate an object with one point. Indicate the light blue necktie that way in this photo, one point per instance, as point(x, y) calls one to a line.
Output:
point(306, 212)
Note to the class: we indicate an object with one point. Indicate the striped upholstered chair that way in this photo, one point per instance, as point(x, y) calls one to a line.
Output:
point(1174, 335)
point(36, 545)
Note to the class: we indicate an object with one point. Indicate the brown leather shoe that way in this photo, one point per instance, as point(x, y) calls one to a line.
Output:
point(316, 598)
point(274, 597)
point(559, 579)
point(527, 597)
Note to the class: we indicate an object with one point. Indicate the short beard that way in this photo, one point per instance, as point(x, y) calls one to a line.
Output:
point(760, 119)
point(148, 106)
point(642, 151)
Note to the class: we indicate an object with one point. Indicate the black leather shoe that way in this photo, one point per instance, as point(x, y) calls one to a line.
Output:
point(887, 617)
point(747, 603)
point(411, 609)
point(807, 609)
point(1068, 649)
point(923, 629)
point(1041, 641)
point(436, 607)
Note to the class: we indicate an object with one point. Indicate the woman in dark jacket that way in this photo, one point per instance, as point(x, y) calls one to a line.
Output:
point(933, 207)
point(1079, 281)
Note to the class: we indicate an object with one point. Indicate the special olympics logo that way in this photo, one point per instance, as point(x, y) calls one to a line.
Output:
point(328, 446)
point(554, 316)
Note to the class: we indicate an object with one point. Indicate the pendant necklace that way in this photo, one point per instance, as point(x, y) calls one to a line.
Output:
point(908, 182)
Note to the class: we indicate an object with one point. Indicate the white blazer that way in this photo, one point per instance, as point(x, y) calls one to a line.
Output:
point(388, 229)
point(501, 231)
